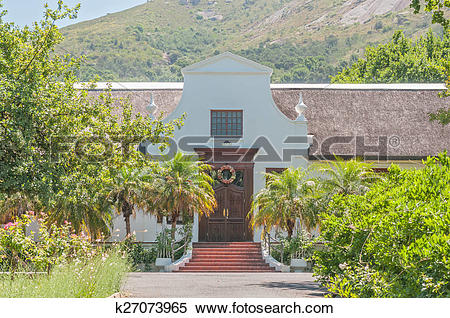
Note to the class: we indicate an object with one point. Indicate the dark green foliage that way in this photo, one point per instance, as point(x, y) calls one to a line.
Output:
point(392, 241)
point(295, 63)
point(438, 8)
point(442, 116)
point(379, 25)
point(138, 255)
point(402, 60)
point(295, 247)
point(42, 117)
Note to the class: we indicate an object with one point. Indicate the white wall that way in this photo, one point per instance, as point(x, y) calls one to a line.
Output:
point(229, 82)
point(143, 225)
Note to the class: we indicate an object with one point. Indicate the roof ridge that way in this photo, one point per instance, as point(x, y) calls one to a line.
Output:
point(326, 86)
point(218, 57)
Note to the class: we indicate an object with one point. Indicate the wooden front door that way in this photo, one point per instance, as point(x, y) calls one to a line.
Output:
point(229, 222)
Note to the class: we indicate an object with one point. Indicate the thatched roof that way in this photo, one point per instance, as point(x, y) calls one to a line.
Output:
point(397, 113)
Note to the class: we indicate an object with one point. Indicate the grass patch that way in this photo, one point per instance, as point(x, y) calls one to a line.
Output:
point(98, 277)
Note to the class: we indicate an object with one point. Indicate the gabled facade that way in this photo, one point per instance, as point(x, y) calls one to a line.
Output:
point(233, 123)
point(383, 123)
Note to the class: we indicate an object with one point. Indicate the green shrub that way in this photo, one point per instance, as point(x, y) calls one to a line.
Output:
point(392, 241)
point(138, 255)
point(297, 246)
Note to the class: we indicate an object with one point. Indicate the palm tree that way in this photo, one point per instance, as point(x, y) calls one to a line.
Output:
point(345, 177)
point(180, 187)
point(125, 193)
point(83, 206)
point(284, 199)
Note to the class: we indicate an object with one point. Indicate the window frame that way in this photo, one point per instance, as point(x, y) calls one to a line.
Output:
point(241, 128)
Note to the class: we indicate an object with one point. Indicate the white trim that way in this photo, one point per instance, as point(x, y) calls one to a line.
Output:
point(280, 267)
point(179, 86)
point(180, 262)
point(399, 86)
point(131, 86)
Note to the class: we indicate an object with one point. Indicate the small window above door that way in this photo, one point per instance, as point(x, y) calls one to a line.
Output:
point(226, 123)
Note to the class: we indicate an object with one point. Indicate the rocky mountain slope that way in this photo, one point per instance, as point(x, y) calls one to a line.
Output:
point(303, 40)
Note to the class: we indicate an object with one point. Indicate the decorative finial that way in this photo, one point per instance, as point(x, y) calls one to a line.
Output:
point(151, 108)
point(300, 108)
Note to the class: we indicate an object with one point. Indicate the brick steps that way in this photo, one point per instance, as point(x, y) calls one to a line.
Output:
point(225, 263)
point(225, 245)
point(244, 250)
point(226, 268)
point(232, 253)
point(226, 257)
point(182, 270)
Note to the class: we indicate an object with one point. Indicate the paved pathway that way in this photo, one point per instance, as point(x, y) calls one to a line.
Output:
point(226, 285)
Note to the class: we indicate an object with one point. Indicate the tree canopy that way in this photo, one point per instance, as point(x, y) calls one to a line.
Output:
point(402, 60)
point(180, 187)
point(58, 145)
point(438, 8)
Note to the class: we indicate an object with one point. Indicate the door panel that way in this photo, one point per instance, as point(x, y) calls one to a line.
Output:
point(235, 202)
point(236, 214)
point(235, 231)
point(216, 230)
point(229, 221)
point(221, 197)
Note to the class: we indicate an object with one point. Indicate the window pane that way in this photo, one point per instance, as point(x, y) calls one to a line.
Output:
point(226, 123)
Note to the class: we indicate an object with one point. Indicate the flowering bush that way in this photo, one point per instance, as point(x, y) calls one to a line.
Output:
point(56, 245)
point(10, 224)
point(75, 267)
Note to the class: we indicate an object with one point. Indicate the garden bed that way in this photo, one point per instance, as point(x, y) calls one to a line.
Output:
point(99, 277)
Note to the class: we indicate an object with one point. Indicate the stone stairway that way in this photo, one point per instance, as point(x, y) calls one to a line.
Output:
point(226, 257)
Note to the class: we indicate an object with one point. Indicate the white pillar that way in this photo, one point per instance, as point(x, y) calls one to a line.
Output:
point(257, 234)
point(195, 229)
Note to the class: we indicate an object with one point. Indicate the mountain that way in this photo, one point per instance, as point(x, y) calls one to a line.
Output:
point(302, 40)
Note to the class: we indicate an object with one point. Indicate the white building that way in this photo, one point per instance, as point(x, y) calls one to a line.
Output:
point(233, 123)
point(244, 126)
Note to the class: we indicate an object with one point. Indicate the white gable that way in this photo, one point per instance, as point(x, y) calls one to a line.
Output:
point(228, 82)
point(227, 63)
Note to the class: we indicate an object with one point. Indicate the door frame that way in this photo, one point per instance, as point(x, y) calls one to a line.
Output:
point(243, 160)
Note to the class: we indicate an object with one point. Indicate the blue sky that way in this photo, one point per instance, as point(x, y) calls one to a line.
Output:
point(24, 12)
